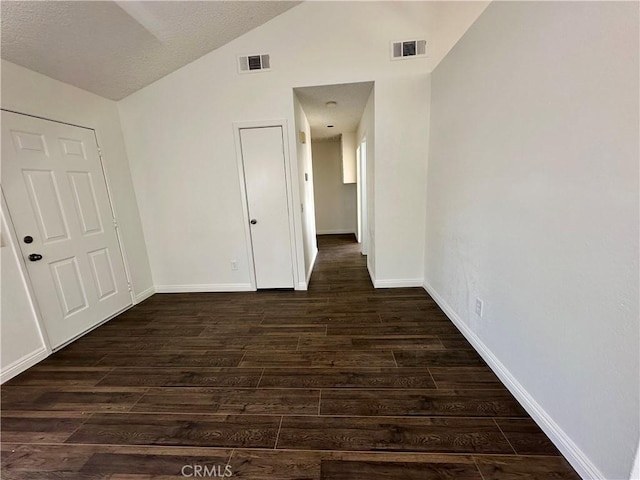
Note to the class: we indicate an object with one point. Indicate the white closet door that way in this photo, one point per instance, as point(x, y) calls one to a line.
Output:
point(56, 193)
point(266, 187)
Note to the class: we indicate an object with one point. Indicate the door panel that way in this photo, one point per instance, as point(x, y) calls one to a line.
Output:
point(85, 202)
point(68, 282)
point(45, 201)
point(266, 187)
point(55, 189)
point(30, 145)
point(102, 270)
point(73, 148)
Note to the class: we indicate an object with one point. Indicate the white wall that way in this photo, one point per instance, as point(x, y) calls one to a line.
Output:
point(335, 201)
point(399, 182)
point(28, 92)
point(532, 205)
point(180, 142)
point(305, 166)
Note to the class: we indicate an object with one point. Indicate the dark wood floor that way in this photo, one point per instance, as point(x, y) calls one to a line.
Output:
point(340, 382)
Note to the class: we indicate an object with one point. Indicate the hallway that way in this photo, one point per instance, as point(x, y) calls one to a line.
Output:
point(341, 382)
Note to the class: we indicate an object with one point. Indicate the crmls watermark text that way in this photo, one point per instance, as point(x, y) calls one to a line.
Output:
point(211, 471)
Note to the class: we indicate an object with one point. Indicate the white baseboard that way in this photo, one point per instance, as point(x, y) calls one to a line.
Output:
point(372, 275)
point(398, 283)
point(205, 287)
point(313, 264)
point(139, 297)
point(23, 363)
point(304, 285)
point(635, 471)
point(339, 231)
point(576, 457)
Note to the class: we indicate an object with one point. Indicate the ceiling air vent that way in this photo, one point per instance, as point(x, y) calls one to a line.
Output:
point(408, 49)
point(253, 63)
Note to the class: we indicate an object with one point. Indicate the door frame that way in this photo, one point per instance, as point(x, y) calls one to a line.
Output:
point(358, 197)
point(114, 213)
point(17, 250)
point(363, 194)
point(282, 123)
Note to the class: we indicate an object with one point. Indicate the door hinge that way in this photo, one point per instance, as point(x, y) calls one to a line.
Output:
point(129, 287)
point(115, 223)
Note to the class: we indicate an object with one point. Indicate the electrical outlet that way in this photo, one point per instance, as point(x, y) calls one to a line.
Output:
point(234, 265)
point(479, 306)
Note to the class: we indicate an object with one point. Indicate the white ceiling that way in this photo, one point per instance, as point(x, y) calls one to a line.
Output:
point(351, 99)
point(115, 48)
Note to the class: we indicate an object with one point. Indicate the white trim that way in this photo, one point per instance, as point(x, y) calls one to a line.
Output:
point(205, 287)
point(114, 213)
point(282, 123)
point(364, 198)
point(635, 469)
point(371, 274)
point(337, 231)
point(398, 283)
point(23, 364)
point(576, 457)
point(140, 297)
point(296, 199)
point(313, 264)
point(305, 285)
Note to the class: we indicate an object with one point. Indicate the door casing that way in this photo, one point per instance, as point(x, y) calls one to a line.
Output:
point(362, 179)
point(299, 284)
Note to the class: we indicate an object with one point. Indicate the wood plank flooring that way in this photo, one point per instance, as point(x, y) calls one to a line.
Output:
point(341, 382)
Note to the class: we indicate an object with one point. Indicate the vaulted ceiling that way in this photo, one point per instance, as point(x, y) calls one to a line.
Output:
point(115, 48)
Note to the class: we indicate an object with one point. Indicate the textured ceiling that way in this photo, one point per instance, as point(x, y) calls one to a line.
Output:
point(115, 48)
point(345, 117)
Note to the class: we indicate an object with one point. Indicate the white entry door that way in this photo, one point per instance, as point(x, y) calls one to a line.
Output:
point(266, 187)
point(56, 193)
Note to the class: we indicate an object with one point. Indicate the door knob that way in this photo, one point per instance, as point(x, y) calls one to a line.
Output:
point(253, 221)
point(34, 257)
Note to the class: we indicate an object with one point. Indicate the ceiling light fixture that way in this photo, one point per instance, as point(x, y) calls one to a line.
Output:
point(331, 104)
